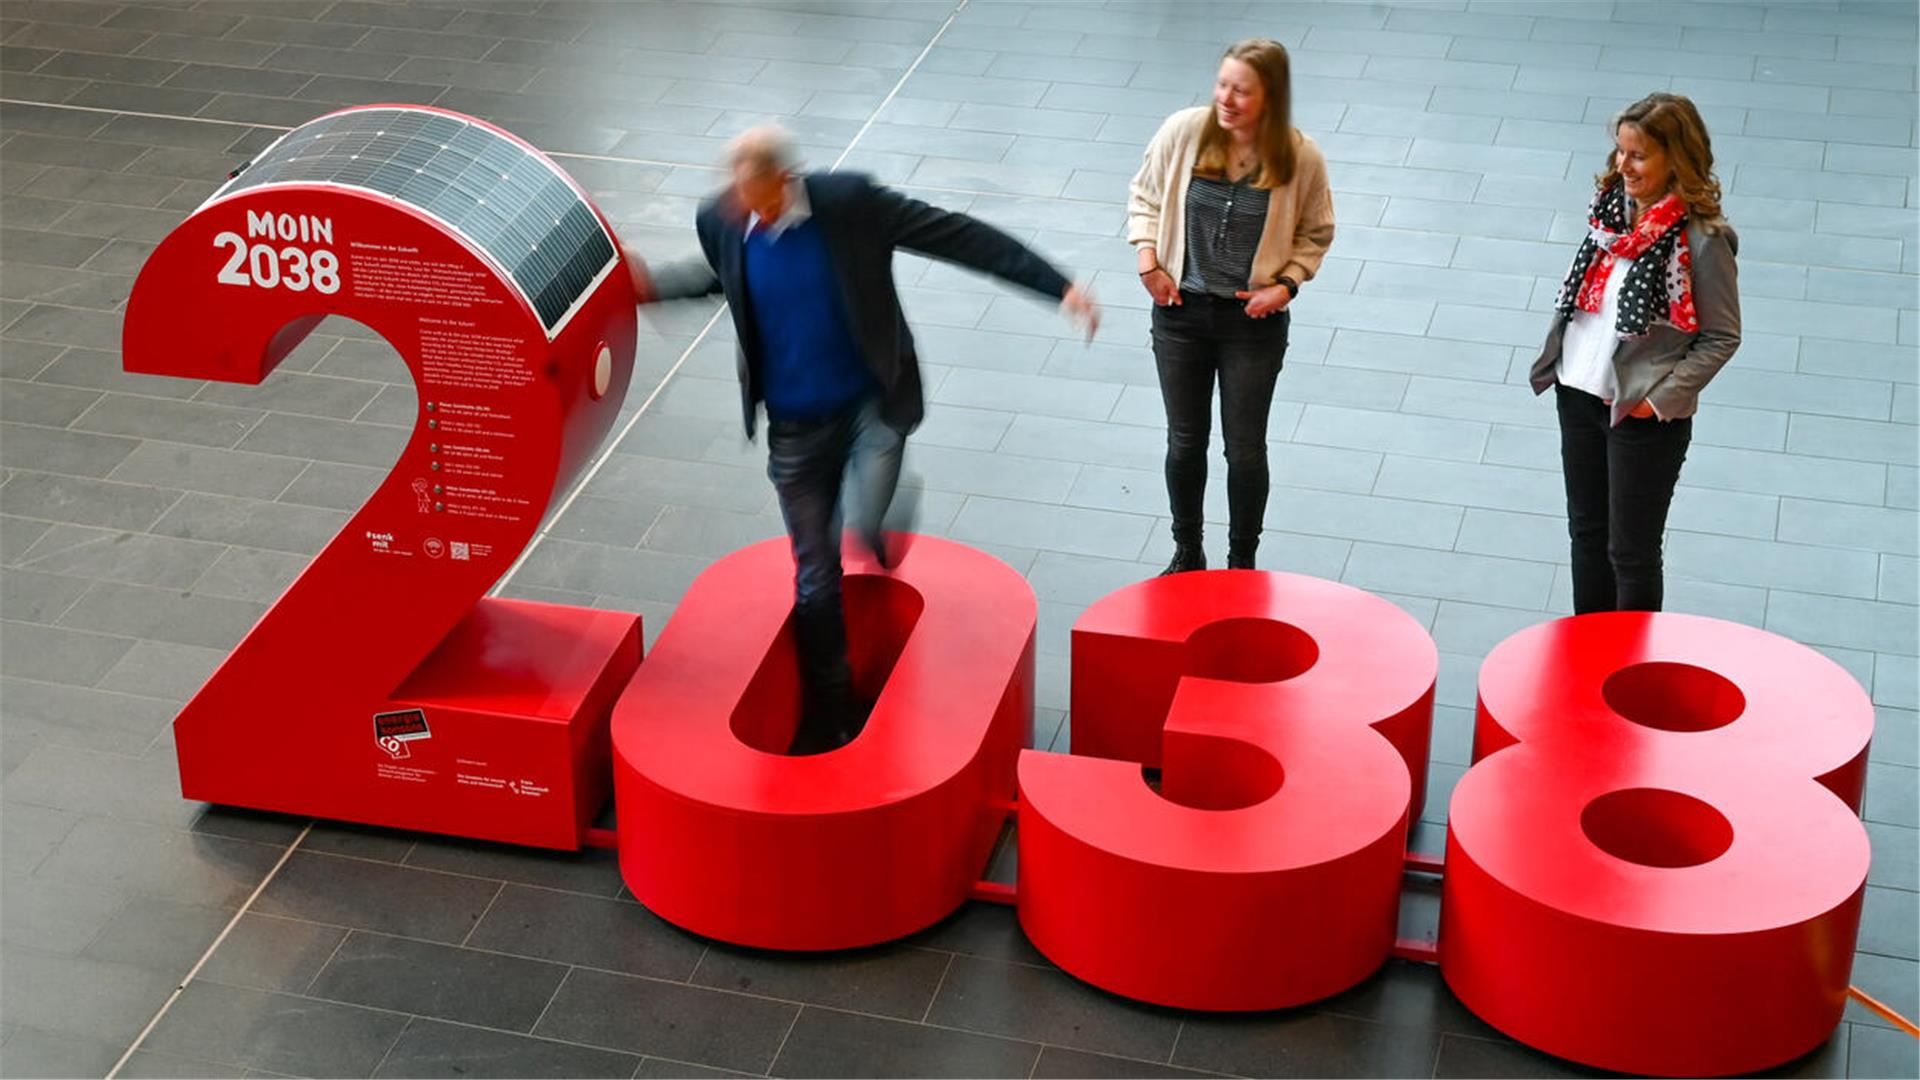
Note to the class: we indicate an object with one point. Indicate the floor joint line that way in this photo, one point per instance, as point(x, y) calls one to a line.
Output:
point(208, 955)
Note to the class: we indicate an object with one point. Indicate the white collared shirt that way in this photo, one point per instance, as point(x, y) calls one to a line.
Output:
point(797, 211)
point(1586, 349)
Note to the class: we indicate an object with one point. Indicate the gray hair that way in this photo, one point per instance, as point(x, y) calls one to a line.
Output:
point(761, 149)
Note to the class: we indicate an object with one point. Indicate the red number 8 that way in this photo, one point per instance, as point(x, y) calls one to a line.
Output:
point(1656, 865)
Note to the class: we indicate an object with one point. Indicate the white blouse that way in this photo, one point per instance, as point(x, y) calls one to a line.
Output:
point(1586, 350)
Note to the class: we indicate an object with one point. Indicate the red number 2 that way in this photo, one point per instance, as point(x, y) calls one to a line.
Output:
point(382, 687)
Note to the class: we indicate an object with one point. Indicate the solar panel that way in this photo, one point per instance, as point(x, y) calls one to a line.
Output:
point(512, 203)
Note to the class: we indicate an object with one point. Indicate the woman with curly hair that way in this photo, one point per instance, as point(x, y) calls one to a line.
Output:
point(1649, 312)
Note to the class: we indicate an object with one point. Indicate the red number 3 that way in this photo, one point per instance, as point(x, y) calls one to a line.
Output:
point(1290, 717)
point(1657, 865)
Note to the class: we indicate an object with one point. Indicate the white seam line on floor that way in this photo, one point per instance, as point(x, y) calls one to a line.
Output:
point(208, 955)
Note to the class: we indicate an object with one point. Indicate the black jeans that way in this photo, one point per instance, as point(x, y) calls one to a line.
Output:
point(1619, 485)
point(1203, 337)
point(851, 459)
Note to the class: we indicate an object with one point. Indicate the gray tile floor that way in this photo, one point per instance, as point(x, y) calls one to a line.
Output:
point(144, 523)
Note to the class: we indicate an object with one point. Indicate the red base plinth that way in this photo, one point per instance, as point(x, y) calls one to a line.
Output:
point(1284, 712)
point(500, 734)
point(1645, 872)
point(722, 833)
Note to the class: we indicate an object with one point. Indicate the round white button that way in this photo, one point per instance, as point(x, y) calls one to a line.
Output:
point(602, 371)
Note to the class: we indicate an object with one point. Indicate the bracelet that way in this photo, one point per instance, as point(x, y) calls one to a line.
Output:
point(1151, 269)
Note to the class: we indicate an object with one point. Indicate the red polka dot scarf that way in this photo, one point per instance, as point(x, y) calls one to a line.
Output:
point(1659, 285)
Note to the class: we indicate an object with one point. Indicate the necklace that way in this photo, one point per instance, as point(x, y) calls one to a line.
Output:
point(1241, 161)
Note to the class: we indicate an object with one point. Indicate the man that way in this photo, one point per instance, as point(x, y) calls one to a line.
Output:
point(806, 265)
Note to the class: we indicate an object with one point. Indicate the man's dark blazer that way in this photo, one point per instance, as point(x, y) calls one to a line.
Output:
point(862, 223)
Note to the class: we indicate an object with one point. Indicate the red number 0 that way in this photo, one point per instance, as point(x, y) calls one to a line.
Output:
point(1266, 872)
point(1656, 865)
point(725, 835)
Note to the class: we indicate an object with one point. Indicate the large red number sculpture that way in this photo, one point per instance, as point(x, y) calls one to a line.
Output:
point(382, 688)
point(1290, 719)
point(1656, 865)
point(721, 833)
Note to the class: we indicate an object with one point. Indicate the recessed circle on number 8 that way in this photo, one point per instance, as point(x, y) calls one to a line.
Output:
point(1659, 843)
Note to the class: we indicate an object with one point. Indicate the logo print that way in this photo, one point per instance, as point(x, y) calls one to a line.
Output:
point(392, 731)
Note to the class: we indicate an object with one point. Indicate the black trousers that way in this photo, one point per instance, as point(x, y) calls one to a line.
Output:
point(1619, 485)
point(1203, 338)
point(851, 458)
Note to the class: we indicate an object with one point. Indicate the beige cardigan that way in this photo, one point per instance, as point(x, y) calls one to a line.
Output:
point(1299, 216)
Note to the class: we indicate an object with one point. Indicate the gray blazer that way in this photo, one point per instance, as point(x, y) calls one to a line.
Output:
point(1669, 366)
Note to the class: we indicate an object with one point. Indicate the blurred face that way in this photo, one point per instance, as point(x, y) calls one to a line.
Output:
point(760, 191)
point(1239, 98)
point(1642, 164)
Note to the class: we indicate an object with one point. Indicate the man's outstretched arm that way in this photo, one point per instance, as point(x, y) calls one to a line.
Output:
point(681, 279)
point(967, 241)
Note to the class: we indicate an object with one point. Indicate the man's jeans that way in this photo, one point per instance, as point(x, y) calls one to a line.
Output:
point(814, 466)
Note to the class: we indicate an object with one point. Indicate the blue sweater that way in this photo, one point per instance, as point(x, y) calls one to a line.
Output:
point(812, 366)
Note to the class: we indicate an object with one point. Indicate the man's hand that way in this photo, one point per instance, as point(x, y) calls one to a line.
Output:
point(1080, 308)
point(1264, 302)
point(642, 280)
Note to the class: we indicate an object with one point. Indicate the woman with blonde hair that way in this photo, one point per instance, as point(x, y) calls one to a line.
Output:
point(1230, 215)
point(1649, 312)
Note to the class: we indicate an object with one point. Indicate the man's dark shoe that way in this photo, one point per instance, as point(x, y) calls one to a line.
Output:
point(890, 542)
point(1240, 555)
point(826, 683)
point(853, 722)
point(829, 727)
point(1186, 557)
point(812, 737)
point(876, 542)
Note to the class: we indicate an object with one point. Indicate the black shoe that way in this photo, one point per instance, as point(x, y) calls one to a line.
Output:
point(1240, 556)
point(890, 541)
point(876, 542)
point(852, 722)
point(1186, 557)
point(829, 727)
point(813, 736)
point(826, 683)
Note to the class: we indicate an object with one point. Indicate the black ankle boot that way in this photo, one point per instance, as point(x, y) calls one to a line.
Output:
point(1186, 557)
point(829, 716)
point(1240, 554)
point(829, 723)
